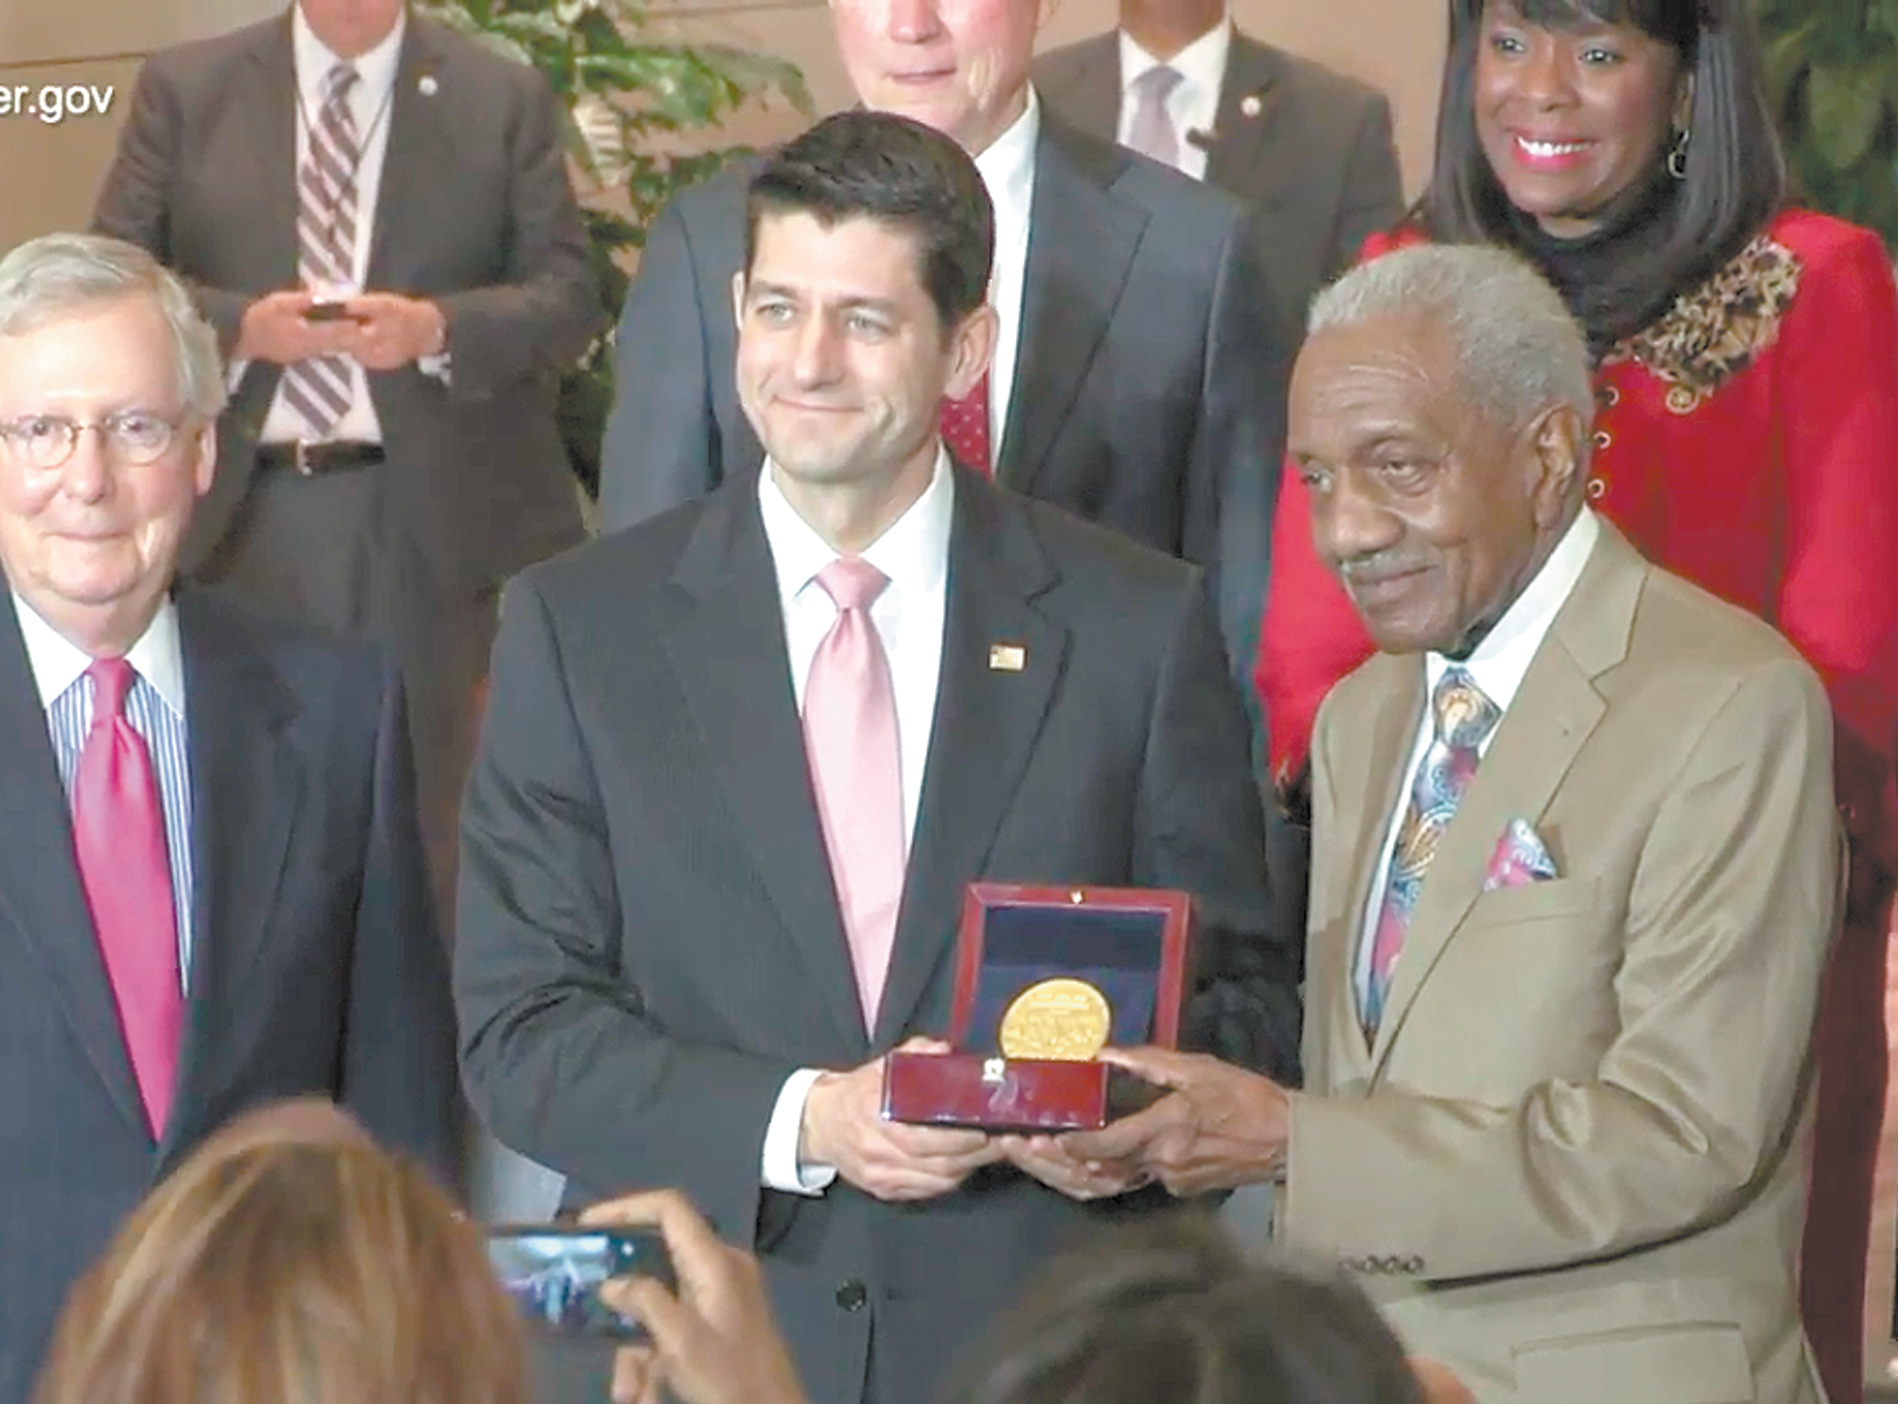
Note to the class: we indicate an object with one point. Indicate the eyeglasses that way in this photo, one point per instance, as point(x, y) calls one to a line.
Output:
point(137, 437)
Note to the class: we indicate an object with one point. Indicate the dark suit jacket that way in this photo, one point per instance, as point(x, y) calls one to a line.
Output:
point(1309, 150)
point(315, 967)
point(1149, 383)
point(649, 942)
point(474, 211)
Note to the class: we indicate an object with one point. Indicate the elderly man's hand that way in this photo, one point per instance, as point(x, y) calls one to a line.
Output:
point(1220, 1127)
point(1439, 1384)
point(714, 1343)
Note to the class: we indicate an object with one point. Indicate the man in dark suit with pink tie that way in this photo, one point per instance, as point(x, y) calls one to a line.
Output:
point(741, 761)
point(212, 891)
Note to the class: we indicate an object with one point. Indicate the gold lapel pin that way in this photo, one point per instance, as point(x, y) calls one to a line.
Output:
point(1007, 658)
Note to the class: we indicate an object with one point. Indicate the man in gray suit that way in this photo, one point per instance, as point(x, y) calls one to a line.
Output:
point(1138, 376)
point(724, 808)
point(376, 216)
point(211, 891)
point(1309, 150)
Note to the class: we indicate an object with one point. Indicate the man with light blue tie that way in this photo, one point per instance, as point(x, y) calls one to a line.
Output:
point(1576, 869)
point(212, 892)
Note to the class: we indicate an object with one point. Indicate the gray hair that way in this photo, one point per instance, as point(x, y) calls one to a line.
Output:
point(58, 276)
point(1518, 350)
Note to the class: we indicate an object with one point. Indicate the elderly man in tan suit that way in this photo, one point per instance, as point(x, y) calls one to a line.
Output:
point(1575, 872)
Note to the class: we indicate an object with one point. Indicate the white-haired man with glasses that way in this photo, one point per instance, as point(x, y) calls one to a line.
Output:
point(212, 890)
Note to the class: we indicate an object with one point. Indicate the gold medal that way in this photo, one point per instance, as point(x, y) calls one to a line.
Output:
point(1064, 1019)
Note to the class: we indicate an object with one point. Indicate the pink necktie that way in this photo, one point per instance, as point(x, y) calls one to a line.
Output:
point(119, 836)
point(1152, 132)
point(850, 739)
point(965, 427)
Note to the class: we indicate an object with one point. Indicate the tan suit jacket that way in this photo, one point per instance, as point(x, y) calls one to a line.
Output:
point(1571, 1164)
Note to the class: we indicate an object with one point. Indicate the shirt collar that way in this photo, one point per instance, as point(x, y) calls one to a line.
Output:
point(1500, 662)
point(1201, 64)
point(375, 68)
point(1007, 164)
point(913, 550)
point(57, 662)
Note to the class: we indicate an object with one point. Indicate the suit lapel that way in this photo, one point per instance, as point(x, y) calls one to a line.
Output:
point(1092, 96)
point(1553, 714)
point(412, 159)
point(41, 899)
point(985, 727)
point(1080, 247)
point(1247, 98)
point(725, 640)
point(270, 107)
point(246, 785)
point(1369, 779)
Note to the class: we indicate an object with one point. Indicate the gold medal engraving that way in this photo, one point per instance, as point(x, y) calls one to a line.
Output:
point(1066, 1020)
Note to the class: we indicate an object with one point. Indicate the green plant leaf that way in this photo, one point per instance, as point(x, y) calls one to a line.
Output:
point(617, 87)
point(1846, 107)
point(1785, 59)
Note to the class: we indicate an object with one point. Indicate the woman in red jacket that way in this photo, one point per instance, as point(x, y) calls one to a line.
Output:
point(1746, 437)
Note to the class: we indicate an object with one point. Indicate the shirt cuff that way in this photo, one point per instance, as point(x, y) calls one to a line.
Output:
point(782, 1169)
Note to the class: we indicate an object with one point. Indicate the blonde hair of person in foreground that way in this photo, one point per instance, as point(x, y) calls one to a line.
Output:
point(289, 1261)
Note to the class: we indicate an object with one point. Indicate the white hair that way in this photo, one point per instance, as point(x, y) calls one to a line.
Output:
point(1518, 351)
point(58, 276)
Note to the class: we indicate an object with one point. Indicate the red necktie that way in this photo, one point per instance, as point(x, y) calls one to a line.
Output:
point(965, 427)
point(119, 835)
point(850, 740)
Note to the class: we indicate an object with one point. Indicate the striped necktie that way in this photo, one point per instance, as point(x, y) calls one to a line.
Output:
point(320, 389)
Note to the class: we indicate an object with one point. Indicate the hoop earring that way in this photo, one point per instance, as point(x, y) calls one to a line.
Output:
point(1677, 154)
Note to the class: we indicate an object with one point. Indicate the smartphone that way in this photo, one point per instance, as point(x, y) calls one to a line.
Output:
point(328, 311)
point(553, 1273)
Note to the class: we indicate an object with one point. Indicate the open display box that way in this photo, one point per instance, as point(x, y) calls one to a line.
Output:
point(1131, 945)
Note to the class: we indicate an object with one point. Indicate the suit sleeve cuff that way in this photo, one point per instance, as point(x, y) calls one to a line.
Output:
point(782, 1169)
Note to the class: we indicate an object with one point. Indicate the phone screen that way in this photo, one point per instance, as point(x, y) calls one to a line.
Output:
point(553, 1274)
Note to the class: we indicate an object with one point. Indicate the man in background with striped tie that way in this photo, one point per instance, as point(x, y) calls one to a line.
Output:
point(211, 887)
point(1575, 874)
point(375, 214)
point(741, 761)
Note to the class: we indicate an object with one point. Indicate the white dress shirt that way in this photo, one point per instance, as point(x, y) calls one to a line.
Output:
point(1007, 167)
point(1194, 102)
point(909, 615)
point(1498, 665)
point(155, 706)
point(370, 100)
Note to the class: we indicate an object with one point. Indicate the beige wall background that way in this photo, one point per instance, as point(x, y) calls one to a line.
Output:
point(49, 169)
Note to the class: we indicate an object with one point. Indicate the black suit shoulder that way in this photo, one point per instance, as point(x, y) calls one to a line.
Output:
point(1326, 93)
point(1174, 200)
point(1110, 572)
point(472, 62)
point(308, 660)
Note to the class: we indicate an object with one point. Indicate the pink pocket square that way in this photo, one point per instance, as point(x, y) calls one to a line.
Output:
point(1519, 859)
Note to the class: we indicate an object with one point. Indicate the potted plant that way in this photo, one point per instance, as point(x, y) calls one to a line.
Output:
point(638, 112)
point(1832, 75)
